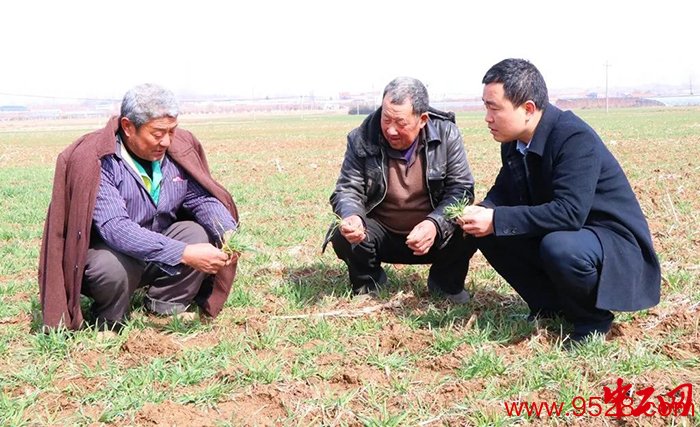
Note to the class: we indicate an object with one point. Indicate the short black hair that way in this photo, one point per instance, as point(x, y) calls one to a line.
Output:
point(521, 80)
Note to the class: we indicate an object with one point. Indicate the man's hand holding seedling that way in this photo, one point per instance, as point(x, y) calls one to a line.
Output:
point(422, 237)
point(353, 229)
point(205, 257)
point(477, 221)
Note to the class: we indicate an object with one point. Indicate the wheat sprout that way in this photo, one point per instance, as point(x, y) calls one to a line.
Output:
point(233, 243)
point(456, 209)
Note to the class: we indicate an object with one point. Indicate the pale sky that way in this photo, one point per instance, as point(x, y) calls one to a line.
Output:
point(270, 47)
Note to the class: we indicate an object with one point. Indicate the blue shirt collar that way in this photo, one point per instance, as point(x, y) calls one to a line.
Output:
point(522, 147)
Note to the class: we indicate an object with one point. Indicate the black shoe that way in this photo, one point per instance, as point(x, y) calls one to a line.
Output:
point(580, 336)
point(587, 332)
point(101, 324)
point(543, 314)
point(574, 341)
point(372, 287)
point(365, 289)
point(462, 297)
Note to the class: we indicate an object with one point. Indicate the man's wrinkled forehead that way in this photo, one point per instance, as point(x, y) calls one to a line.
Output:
point(164, 124)
point(392, 109)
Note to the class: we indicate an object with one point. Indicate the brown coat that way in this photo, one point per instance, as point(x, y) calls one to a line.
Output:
point(69, 222)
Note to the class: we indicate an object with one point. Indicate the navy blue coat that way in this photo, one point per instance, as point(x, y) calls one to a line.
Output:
point(574, 182)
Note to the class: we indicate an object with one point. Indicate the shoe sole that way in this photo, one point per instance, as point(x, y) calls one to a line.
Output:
point(460, 298)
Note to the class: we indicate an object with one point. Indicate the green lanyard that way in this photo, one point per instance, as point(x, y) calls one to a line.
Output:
point(153, 186)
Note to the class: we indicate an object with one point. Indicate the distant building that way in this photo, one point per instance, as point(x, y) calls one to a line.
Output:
point(13, 108)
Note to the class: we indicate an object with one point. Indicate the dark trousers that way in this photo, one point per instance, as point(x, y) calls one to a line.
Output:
point(111, 278)
point(557, 273)
point(448, 269)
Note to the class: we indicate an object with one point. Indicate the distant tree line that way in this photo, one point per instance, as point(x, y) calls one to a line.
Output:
point(361, 109)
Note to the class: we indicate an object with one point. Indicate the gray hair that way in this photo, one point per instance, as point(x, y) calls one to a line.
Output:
point(407, 87)
point(147, 102)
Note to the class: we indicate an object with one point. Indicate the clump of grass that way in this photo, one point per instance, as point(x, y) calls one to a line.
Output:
point(456, 209)
point(335, 223)
point(233, 243)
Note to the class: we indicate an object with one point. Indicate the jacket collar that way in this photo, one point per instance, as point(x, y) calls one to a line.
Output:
point(430, 132)
point(107, 135)
point(550, 115)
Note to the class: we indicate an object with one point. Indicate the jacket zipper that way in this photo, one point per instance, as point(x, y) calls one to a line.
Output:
point(386, 185)
point(427, 174)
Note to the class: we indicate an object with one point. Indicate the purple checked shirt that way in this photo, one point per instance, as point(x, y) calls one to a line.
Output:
point(129, 221)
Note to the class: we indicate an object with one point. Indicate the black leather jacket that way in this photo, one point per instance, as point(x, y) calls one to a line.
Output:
point(361, 185)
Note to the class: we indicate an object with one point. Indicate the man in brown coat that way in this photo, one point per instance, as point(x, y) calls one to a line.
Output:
point(134, 205)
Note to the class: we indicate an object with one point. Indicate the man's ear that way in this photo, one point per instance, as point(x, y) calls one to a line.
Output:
point(530, 107)
point(423, 119)
point(127, 127)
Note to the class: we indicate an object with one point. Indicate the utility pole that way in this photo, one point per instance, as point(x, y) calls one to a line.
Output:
point(606, 85)
point(691, 85)
point(252, 95)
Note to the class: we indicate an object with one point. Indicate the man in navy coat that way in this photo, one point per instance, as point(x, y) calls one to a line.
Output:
point(561, 223)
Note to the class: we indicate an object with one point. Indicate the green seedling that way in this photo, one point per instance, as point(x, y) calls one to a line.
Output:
point(457, 208)
point(233, 243)
point(335, 223)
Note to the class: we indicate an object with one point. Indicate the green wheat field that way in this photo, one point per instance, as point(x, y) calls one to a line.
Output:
point(292, 347)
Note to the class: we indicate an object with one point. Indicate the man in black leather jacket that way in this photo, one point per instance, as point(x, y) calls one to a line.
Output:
point(402, 167)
